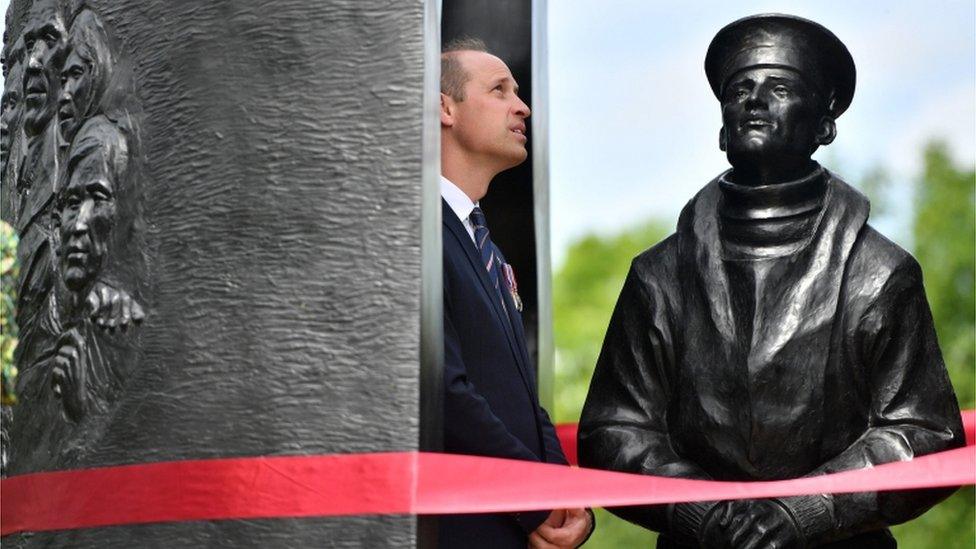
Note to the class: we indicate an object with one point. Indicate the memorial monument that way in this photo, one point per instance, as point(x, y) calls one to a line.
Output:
point(776, 334)
point(221, 251)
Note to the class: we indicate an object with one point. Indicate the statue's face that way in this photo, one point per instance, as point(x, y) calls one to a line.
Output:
point(87, 217)
point(769, 116)
point(10, 106)
point(75, 95)
point(44, 42)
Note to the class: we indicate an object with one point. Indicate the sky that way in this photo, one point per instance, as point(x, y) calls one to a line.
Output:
point(634, 126)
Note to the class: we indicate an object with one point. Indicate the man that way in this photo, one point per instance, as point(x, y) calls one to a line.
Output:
point(45, 44)
point(490, 405)
point(776, 334)
point(11, 136)
point(11, 105)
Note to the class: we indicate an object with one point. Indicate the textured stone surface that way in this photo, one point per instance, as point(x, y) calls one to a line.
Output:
point(282, 153)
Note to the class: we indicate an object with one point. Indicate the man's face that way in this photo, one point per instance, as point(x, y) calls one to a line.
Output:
point(45, 43)
point(769, 116)
point(10, 107)
point(490, 121)
point(75, 95)
point(86, 220)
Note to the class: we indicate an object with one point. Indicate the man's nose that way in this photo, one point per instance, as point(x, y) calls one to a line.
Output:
point(756, 100)
point(35, 61)
point(83, 219)
point(521, 108)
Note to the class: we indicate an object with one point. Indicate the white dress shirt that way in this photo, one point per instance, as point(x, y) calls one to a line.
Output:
point(460, 204)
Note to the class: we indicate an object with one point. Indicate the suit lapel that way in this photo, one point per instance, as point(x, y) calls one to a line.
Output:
point(506, 321)
point(516, 320)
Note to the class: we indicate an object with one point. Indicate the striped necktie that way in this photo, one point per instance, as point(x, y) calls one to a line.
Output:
point(489, 257)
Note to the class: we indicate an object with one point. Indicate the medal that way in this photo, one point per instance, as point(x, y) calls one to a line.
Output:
point(512, 285)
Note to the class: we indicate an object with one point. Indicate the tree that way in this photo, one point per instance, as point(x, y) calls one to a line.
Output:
point(8, 329)
point(945, 245)
point(583, 294)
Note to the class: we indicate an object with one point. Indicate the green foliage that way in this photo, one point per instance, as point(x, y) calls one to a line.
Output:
point(583, 295)
point(585, 290)
point(8, 329)
point(948, 525)
point(588, 282)
point(945, 245)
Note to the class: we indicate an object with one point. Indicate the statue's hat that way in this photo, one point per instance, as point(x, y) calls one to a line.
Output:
point(777, 40)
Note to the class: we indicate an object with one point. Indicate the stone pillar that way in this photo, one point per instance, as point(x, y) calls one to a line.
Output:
point(260, 241)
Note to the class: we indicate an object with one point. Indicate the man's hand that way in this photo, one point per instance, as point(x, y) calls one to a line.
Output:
point(69, 373)
point(110, 308)
point(750, 524)
point(563, 529)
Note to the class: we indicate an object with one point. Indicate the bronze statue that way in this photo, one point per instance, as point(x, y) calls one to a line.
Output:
point(776, 334)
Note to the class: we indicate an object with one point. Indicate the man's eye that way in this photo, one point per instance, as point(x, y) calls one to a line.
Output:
point(781, 91)
point(101, 196)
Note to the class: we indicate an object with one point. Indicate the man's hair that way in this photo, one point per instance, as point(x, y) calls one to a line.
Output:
point(453, 75)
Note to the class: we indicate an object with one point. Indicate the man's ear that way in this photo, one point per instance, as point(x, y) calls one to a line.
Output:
point(723, 139)
point(447, 110)
point(826, 131)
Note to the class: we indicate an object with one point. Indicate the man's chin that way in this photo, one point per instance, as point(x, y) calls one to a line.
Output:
point(35, 122)
point(68, 129)
point(75, 280)
point(750, 153)
point(518, 156)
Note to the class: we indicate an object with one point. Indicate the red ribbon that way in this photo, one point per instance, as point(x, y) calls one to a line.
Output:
point(400, 483)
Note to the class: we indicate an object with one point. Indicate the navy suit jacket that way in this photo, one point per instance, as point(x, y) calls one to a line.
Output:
point(491, 407)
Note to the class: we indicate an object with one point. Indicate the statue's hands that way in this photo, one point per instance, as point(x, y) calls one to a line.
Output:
point(111, 308)
point(712, 534)
point(69, 374)
point(760, 523)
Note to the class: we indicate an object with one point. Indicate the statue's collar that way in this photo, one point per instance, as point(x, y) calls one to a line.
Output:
point(745, 202)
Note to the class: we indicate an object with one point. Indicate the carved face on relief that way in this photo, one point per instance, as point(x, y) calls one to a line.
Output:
point(10, 108)
point(87, 73)
point(76, 87)
point(87, 207)
point(44, 43)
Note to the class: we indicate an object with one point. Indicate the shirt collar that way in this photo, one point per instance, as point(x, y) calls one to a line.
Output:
point(459, 202)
